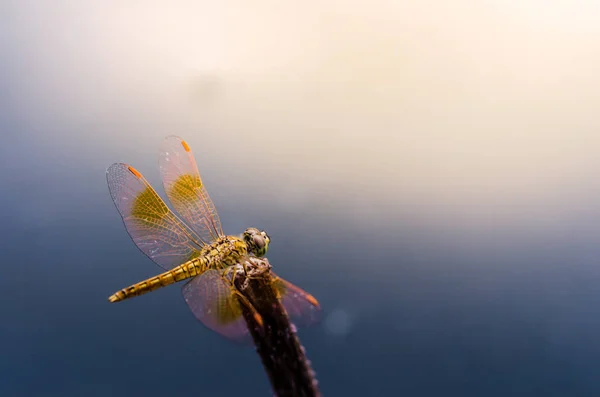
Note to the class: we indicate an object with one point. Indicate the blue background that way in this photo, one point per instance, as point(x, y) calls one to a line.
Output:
point(442, 205)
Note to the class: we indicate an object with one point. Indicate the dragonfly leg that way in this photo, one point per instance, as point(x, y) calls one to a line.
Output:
point(246, 302)
point(230, 281)
point(224, 274)
point(233, 273)
point(243, 300)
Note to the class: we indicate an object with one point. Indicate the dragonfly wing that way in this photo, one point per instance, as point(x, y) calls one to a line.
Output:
point(185, 189)
point(301, 306)
point(155, 230)
point(211, 299)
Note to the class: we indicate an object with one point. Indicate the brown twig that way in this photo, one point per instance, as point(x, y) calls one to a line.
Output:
point(282, 355)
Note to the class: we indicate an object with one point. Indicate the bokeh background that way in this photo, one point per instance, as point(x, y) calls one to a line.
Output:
point(427, 169)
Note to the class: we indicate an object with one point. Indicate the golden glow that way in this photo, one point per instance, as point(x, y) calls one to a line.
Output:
point(566, 15)
point(434, 108)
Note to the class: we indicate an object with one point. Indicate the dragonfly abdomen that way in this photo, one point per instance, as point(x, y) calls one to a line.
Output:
point(225, 252)
point(189, 269)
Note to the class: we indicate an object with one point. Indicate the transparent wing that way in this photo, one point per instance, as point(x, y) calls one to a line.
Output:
point(301, 306)
point(211, 299)
point(185, 189)
point(155, 230)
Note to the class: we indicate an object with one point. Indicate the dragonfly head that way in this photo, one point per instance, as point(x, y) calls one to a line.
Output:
point(257, 241)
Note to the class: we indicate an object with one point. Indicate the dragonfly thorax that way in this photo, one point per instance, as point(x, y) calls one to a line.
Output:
point(257, 241)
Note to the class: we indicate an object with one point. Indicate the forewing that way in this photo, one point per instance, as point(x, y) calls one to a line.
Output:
point(301, 306)
point(155, 230)
point(211, 299)
point(185, 189)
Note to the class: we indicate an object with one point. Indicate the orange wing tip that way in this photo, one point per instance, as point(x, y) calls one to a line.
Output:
point(258, 319)
point(185, 145)
point(134, 171)
point(113, 298)
point(312, 300)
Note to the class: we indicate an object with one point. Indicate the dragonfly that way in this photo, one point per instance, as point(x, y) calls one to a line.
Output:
point(192, 246)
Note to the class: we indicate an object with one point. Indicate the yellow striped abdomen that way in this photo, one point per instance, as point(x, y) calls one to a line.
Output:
point(189, 269)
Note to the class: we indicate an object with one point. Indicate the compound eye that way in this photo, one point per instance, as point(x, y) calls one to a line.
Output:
point(259, 241)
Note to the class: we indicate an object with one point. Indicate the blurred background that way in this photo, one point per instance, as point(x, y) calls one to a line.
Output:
point(427, 169)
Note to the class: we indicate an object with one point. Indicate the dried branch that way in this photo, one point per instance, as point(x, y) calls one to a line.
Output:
point(282, 355)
